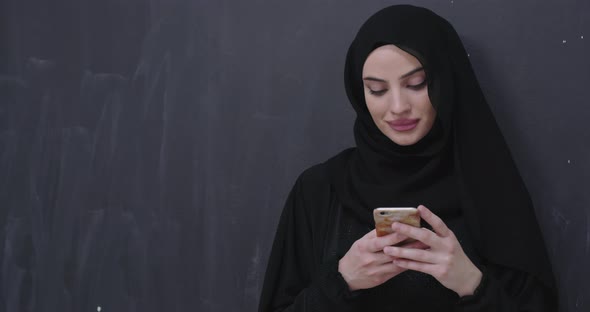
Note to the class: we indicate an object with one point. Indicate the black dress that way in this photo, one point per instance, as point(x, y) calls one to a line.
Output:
point(314, 232)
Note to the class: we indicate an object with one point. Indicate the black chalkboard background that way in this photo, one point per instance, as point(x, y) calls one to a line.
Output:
point(147, 147)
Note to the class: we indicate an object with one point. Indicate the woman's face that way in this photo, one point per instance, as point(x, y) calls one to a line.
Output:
point(396, 94)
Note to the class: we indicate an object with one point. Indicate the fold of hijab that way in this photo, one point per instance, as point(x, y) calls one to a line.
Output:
point(462, 166)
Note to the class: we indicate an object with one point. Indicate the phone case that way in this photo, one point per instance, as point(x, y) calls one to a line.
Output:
point(384, 217)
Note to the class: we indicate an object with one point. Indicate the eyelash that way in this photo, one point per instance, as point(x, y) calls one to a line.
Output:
point(413, 87)
point(418, 86)
point(377, 93)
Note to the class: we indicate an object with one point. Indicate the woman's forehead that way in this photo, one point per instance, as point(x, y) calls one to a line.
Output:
point(390, 60)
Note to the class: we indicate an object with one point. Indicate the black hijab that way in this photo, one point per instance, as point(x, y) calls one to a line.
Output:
point(462, 166)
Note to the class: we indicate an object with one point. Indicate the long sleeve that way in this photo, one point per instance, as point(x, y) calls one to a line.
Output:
point(293, 282)
point(507, 290)
point(314, 232)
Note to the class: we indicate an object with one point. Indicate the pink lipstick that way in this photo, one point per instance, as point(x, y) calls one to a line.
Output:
point(403, 124)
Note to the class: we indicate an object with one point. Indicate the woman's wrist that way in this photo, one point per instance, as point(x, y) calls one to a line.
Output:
point(471, 283)
point(344, 276)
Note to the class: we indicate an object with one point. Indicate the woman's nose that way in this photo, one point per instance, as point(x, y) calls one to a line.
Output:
point(398, 104)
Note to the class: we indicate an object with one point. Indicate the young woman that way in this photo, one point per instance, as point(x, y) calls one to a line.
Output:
point(425, 137)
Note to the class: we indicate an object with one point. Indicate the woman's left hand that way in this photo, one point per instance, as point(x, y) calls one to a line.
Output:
point(445, 260)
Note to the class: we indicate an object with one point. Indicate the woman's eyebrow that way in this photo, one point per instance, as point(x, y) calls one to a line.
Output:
point(411, 72)
point(374, 79)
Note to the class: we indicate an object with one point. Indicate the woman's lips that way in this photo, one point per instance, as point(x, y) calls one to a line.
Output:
point(403, 124)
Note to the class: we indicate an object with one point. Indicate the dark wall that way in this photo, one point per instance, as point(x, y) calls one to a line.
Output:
point(147, 147)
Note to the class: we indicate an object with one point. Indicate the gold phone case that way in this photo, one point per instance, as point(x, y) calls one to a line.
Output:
point(384, 217)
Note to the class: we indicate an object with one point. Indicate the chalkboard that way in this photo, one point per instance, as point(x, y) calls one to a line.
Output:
point(147, 147)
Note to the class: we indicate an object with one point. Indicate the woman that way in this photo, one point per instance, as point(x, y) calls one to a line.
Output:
point(425, 137)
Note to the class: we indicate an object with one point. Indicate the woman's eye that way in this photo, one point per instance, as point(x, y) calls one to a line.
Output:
point(418, 86)
point(377, 92)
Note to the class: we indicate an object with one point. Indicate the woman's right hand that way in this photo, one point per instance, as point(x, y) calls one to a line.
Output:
point(366, 266)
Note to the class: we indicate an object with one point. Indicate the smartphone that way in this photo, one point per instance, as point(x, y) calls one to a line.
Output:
point(385, 216)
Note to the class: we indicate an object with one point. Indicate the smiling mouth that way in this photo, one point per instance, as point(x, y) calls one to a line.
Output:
point(403, 125)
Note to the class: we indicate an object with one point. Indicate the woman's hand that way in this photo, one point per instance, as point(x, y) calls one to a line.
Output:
point(366, 266)
point(444, 260)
